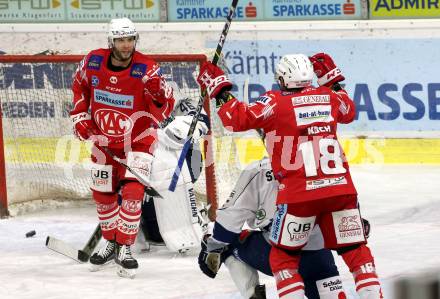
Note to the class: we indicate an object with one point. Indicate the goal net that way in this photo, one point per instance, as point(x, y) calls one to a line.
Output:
point(46, 164)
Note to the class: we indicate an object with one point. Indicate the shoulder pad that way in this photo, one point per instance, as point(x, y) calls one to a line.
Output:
point(95, 59)
point(138, 70)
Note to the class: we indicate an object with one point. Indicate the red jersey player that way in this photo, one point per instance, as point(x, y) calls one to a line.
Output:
point(119, 96)
point(315, 186)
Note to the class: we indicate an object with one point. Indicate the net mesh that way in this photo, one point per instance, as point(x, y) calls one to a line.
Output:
point(45, 161)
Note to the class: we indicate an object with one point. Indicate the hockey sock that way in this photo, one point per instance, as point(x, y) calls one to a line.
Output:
point(108, 209)
point(130, 213)
point(361, 264)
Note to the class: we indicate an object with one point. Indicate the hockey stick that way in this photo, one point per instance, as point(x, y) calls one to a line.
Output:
point(148, 189)
point(81, 256)
point(192, 127)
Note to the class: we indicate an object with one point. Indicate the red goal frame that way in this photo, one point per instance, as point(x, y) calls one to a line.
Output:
point(211, 191)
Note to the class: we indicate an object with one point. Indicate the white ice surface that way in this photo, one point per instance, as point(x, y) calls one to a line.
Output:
point(401, 202)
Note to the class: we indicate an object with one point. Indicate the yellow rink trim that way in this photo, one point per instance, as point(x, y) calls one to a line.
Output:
point(358, 151)
point(46, 150)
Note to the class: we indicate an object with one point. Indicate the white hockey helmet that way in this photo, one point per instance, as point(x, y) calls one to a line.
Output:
point(294, 71)
point(119, 28)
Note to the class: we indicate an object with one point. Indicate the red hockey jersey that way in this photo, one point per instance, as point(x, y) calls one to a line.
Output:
point(118, 102)
point(301, 140)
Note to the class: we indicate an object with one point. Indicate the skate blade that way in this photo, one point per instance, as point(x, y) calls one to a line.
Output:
point(96, 268)
point(126, 273)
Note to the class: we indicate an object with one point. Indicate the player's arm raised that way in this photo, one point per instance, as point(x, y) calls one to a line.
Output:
point(330, 75)
point(235, 115)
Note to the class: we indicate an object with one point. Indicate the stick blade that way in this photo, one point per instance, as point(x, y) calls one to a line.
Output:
point(66, 249)
point(83, 256)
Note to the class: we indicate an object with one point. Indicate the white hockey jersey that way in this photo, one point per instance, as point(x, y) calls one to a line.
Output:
point(252, 201)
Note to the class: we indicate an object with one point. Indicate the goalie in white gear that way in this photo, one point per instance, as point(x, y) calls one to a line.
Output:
point(245, 252)
point(175, 219)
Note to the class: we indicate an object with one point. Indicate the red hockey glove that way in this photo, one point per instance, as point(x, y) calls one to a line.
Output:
point(158, 88)
point(212, 79)
point(326, 70)
point(83, 126)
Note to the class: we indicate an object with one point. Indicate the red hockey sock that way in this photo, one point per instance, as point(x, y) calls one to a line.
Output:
point(108, 209)
point(284, 265)
point(361, 264)
point(289, 284)
point(130, 213)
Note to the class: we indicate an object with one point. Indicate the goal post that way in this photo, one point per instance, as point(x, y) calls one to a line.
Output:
point(39, 158)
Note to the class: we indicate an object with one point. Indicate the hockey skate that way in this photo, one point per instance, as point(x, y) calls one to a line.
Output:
point(127, 265)
point(260, 292)
point(104, 256)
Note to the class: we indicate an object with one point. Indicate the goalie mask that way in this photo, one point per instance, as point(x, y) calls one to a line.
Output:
point(120, 28)
point(294, 71)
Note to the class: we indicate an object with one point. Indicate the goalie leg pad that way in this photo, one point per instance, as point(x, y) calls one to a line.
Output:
point(177, 213)
point(178, 218)
point(108, 209)
point(245, 277)
point(130, 213)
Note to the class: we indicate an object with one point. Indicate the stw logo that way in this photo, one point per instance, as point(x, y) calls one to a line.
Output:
point(113, 123)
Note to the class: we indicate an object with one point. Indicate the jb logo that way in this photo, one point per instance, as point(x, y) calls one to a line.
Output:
point(294, 227)
point(102, 174)
point(298, 231)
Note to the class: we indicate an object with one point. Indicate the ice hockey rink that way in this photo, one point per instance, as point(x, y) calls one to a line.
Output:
point(400, 201)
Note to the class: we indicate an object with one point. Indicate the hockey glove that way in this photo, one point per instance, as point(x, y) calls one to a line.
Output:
point(325, 69)
point(83, 126)
point(212, 79)
point(367, 227)
point(210, 261)
point(158, 88)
